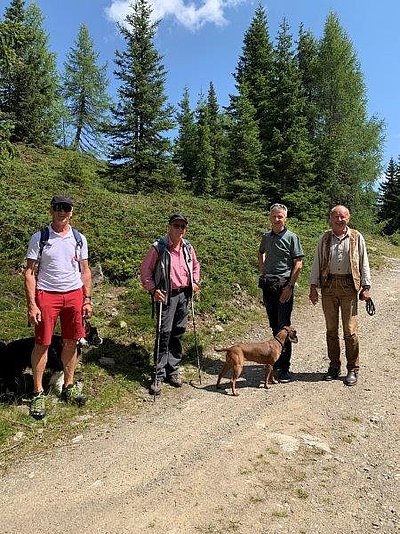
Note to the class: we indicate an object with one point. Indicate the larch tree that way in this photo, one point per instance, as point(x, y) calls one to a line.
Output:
point(348, 142)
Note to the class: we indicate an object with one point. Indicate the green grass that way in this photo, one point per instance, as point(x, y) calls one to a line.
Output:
point(120, 228)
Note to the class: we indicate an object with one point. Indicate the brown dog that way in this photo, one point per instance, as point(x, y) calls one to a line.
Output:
point(267, 353)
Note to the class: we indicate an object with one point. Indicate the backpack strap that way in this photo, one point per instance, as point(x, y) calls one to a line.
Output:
point(44, 240)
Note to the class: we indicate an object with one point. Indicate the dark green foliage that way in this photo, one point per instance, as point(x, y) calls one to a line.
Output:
point(255, 69)
point(85, 90)
point(142, 116)
point(245, 152)
point(289, 152)
point(204, 166)
point(29, 84)
point(218, 142)
point(389, 198)
point(185, 147)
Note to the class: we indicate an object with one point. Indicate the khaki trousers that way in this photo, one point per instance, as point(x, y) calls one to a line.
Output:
point(339, 294)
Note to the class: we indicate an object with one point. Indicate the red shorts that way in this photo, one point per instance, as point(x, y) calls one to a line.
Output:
point(67, 306)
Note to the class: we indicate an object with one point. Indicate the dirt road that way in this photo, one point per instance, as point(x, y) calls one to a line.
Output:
point(305, 457)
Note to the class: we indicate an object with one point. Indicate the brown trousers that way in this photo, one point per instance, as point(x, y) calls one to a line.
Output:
point(339, 294)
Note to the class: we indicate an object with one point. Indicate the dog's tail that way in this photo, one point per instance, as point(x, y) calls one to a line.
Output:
point(220, 350)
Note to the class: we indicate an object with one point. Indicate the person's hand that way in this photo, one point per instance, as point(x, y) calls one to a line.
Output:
point(196, 287)
point(313, 295)
point(34, 315)
point(364, 294)
point(87, 310)
point(286, 294)
point(159, 296)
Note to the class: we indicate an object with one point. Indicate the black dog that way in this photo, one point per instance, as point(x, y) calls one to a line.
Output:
point(15, 360)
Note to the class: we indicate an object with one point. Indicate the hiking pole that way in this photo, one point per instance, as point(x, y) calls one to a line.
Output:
point(196, 349)
point(157, 347)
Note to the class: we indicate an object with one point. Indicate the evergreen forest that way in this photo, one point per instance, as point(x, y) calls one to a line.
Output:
point(295, 131)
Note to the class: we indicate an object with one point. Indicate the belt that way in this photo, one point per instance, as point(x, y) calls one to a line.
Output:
point(178, 290)
point(339, 276)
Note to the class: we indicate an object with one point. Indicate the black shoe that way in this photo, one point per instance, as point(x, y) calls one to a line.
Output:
point(284, 377)
point(332, 374)
point(155, 387)
point(351, 378)
point(175, 381)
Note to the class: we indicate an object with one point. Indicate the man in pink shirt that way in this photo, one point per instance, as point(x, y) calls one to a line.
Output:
point(170, 271)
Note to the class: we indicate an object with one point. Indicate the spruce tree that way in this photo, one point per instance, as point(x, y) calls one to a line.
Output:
point(85, 91)
point(185, 147)
point(255, 65)
point(204, 167)
point(255, 71)
point(290, 159)
point(217, 141)
point(389, 198)
point(348, 143)
point(140, 149)
point(244, 152)
point(29, 88)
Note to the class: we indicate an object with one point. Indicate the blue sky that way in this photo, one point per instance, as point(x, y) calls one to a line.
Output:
point(201, 42)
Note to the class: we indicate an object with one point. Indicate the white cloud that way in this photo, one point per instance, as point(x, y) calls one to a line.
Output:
point(188, 14)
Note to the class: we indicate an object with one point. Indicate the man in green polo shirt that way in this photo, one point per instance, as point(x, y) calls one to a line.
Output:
point(280, 259)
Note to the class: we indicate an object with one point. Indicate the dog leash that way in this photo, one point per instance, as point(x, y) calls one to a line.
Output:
point(370, 306)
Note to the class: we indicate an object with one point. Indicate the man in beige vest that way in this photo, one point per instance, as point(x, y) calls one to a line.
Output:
point(341, 270)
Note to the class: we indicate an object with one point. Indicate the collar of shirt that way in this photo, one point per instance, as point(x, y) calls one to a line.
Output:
point(343, 236)
point(279, 234)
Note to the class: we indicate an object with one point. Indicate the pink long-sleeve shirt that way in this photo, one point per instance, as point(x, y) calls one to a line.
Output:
point(179, 270)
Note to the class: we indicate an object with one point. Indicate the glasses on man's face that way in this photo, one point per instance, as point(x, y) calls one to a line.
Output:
point(181, 226)
point(62, 206)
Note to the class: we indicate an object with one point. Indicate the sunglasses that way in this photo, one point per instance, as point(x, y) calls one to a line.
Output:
point(278, 206)
point(62, 206)
point(177, 225)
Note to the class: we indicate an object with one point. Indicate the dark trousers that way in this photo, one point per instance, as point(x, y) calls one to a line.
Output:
point(173, 326)
point(279, 315)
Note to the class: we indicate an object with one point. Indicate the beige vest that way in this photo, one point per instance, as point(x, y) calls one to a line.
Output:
point(354, 258)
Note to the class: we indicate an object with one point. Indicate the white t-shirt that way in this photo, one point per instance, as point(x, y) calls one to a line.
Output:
point(59, 266)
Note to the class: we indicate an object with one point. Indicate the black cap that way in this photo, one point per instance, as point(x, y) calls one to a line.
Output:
point(177, 217)
point(62, 198)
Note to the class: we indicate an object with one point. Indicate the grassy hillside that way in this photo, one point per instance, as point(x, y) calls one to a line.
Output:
point(120, 228)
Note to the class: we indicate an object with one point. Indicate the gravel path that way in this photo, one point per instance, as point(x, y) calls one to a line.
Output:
point(305, 457)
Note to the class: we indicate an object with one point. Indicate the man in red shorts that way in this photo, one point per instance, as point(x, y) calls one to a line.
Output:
point(58, 281)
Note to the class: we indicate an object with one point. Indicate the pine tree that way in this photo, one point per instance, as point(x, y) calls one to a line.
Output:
point(348, 144)
point(245, 151)
point(140, 150)
point(290, 159)
point(389, 198)
point(85, 90)
point(29, 87)
point(185, 148)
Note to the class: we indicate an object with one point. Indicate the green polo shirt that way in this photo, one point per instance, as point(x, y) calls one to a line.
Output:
point(280, 251)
